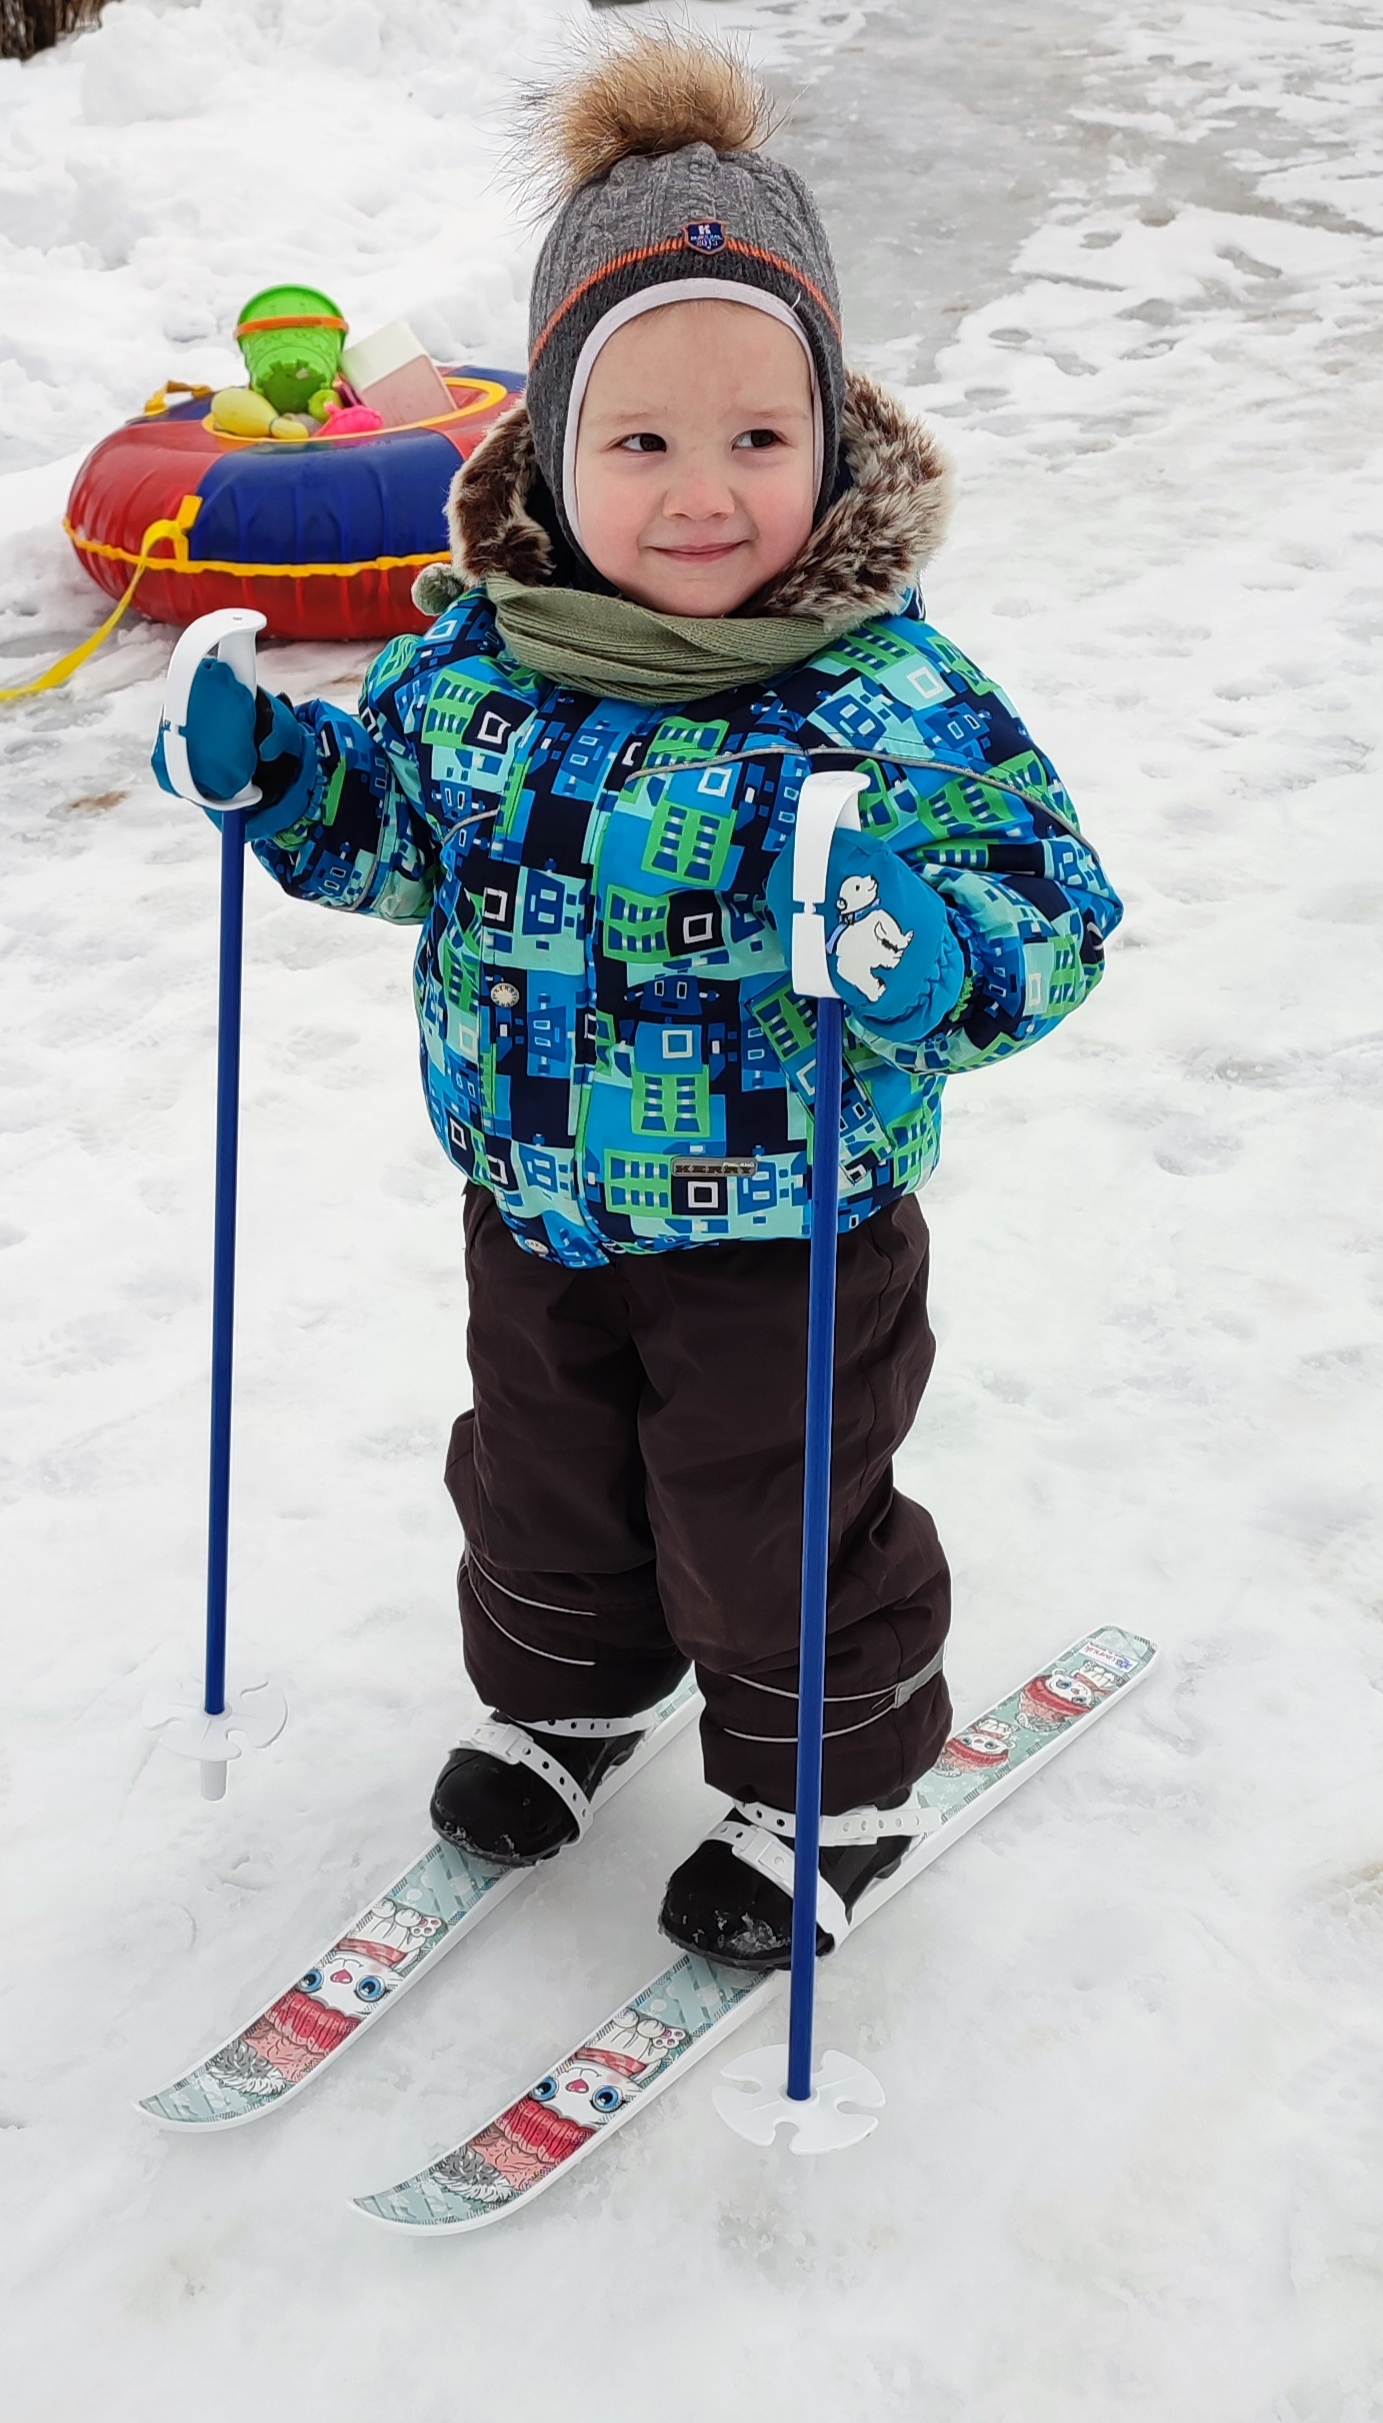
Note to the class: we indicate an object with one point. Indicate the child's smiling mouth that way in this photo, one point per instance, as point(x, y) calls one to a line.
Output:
point(714, 553)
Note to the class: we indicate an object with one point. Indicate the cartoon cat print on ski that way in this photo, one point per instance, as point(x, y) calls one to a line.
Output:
point(315, 2017)
point(1050, 1700)
point(979, 1747)
point(559, 2116)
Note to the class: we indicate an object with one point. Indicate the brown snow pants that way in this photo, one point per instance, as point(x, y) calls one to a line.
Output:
point(630, 1485)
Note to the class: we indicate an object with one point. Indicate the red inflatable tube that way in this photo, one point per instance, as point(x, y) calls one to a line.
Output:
point(326, 538)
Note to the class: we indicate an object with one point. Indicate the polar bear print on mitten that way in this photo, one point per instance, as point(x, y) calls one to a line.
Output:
point(867, 937)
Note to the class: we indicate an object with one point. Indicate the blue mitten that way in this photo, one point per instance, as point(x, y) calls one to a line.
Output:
point(234, 739)
point(896, 964)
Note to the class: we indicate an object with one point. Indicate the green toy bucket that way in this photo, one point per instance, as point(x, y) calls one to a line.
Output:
point(291, 338)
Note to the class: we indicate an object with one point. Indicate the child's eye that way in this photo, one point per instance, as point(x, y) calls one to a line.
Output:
point(759, 437)
point(644, 441)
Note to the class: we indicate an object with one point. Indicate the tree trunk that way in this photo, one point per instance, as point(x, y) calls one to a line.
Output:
point(30, 25)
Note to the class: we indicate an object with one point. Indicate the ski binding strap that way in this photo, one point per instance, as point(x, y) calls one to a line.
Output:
point(774, 1860)
point(912, 1816)
point(592, 1728)
point(518, 1749)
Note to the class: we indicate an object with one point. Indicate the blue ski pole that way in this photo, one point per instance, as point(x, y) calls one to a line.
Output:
point(232, 950)
point(253, 1708)
point(788, 2089)
point(816, 1542)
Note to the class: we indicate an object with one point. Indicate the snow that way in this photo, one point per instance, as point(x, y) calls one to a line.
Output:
point(1130, 2032)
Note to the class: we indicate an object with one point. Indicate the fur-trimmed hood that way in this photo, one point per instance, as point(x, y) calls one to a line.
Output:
point(863, 556)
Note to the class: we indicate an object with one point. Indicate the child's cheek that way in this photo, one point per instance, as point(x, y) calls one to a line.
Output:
point(781, 506)
point(614, 513)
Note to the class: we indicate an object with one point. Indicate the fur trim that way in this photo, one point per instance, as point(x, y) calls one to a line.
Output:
point(642, 99)
point(862, 557)
point(869, 547)
point(489, 525)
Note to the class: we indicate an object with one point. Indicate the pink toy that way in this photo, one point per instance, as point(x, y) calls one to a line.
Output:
point(353, 420)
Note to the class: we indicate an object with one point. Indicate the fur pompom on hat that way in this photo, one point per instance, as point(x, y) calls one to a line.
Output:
point(649, 98)
point(667, 196)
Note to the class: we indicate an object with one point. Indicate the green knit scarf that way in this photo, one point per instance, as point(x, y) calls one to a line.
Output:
point(619, 650)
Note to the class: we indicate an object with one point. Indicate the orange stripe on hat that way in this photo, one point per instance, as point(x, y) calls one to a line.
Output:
point(756, 252)
point(678, 243)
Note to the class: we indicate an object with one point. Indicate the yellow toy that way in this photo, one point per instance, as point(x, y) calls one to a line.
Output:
point(244, 412)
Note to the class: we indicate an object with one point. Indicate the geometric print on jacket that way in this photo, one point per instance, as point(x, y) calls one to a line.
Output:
point(610, 1042)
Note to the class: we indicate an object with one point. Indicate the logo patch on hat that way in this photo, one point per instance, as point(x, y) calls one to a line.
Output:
point(706, 235)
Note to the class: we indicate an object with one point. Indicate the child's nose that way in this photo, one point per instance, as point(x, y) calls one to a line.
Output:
point(700, 494)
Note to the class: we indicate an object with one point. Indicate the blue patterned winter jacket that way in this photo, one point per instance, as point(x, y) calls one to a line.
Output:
point(610, 1041)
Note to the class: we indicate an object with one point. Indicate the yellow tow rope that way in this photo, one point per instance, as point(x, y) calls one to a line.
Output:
point(57, 674)
point(176, 532)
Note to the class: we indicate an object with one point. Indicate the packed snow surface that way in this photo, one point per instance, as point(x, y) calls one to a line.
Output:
point(1131, 2032)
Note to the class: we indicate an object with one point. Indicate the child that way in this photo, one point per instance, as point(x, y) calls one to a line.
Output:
point(683, 580)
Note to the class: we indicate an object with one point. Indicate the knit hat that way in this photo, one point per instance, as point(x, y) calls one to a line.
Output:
point(669, 199)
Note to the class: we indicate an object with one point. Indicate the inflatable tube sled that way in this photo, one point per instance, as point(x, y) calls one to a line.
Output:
point(326, 538)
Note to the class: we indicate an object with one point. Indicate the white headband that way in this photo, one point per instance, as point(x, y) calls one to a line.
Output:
point(653, 298)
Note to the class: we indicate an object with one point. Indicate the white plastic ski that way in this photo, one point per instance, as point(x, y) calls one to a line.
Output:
point(404, 1932)
point(685, 2012)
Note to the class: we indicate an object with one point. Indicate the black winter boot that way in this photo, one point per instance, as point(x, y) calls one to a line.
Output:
point(718, 1905)
point(509, 1814)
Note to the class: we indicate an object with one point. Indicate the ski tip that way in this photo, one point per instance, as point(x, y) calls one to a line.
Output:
point(380, 2208)
point(169, 2109)
point(396, 2208)
point(190, 2110)
point(165, 2114)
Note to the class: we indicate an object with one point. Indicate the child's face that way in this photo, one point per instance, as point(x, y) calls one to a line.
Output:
point(695, 476)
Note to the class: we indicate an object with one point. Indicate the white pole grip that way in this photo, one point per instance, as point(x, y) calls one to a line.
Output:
point(229, 634)
point(827, 802)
